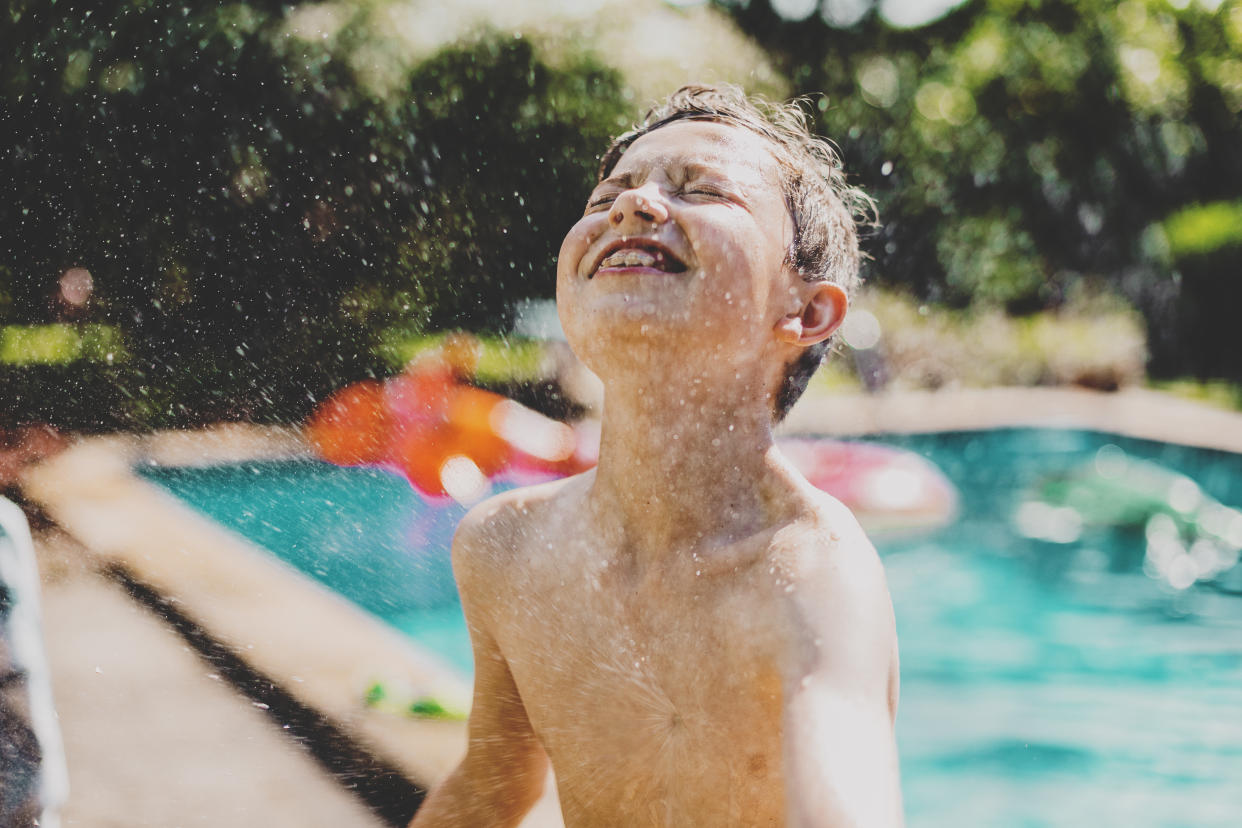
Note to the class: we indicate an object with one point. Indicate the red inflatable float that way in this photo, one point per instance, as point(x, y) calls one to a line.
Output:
point(888, 489)
point(446, 436)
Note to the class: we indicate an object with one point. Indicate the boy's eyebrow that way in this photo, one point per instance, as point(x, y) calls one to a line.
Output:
point(696, 169)
point(691, 169)
point(623, 180)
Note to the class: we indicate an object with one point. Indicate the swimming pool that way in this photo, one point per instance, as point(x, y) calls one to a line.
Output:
point(1042, 683)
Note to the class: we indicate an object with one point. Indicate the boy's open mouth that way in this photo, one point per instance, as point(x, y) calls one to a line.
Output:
point(633, 254)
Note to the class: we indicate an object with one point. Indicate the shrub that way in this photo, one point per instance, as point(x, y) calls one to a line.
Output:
point(1096, 342)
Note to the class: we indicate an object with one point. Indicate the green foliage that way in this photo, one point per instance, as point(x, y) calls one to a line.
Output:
point(1204, 228)
point(1019, 147)
point(80, 395)
point(513, 145)
point(985, 258)
point(1216, 393)
point(60, 343)
point(1093, 341)
point(252, 216)
point(501, 359)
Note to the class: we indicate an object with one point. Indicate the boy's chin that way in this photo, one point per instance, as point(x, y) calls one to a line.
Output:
point(608, 345)
point(645, 322)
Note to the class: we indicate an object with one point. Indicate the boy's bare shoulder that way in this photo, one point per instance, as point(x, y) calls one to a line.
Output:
point(501, 529)
point(833, 564)
point(825, 534)
point(840, 605)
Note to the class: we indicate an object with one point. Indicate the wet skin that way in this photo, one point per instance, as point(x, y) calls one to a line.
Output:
point(690, 633)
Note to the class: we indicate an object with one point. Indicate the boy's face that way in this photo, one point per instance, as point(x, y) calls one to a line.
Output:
point(686, 240)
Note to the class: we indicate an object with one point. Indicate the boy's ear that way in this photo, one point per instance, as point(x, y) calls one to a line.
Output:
point(823, 312)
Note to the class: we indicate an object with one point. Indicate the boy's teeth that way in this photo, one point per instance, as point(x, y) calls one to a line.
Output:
point(631, 258)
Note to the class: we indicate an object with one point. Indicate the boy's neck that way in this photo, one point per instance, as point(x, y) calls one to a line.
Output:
point(685, 466)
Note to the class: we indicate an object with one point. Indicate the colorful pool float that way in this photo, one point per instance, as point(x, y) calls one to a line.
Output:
point(888, 489)
point(446, 436)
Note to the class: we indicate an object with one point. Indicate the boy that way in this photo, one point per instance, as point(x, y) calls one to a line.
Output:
point(690, 634)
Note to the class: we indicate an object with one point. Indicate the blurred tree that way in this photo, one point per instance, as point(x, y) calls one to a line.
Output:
point(507, 145)
point(1204, 245)
point(1020, 147)
point(250, 216)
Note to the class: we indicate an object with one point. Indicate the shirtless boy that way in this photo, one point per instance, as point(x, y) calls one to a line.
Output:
point(690, 634)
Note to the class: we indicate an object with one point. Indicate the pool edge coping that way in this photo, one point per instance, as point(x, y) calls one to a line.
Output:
point(1132, 412)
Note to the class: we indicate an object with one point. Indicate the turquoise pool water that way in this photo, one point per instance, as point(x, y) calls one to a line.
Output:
point(1043, 684)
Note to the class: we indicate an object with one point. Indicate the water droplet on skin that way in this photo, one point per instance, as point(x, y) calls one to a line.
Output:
point(789, 588)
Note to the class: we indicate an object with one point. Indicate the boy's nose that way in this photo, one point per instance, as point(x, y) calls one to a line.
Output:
point(641, 206)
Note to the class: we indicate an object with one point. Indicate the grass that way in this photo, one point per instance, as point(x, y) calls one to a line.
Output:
point(58, 344)
point(502, 359)
point(1217, 393)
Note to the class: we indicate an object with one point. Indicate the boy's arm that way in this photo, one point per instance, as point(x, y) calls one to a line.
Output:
point(505, 768)
point(840, 749)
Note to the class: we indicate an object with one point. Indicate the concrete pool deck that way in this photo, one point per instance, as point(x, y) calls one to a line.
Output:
point(318, 647)
point(155, 738)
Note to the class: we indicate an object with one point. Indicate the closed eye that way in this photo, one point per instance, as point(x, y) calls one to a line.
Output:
point(708, 192)
point(600, 201)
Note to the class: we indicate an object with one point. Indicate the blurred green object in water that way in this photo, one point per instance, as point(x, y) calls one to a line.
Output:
point(1189, 535)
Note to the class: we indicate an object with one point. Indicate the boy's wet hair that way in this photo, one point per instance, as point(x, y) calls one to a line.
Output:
point(826, 210)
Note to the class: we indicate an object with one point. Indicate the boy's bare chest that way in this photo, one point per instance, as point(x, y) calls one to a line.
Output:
point(670, 687)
